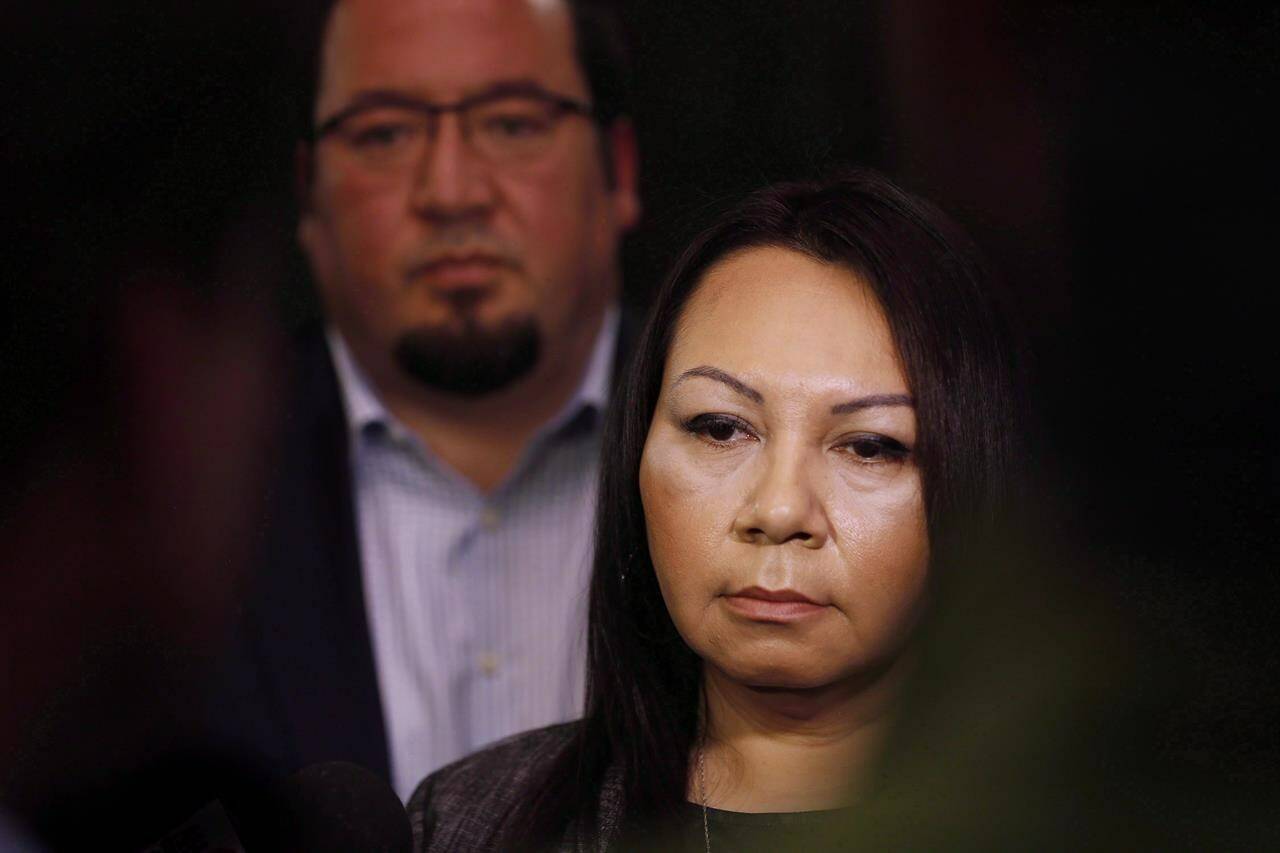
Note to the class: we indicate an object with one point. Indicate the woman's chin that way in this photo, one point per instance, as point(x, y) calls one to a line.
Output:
point(774, 673)
point(800, 667)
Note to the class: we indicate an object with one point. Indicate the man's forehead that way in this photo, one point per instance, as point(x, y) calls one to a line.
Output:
point(445, 49)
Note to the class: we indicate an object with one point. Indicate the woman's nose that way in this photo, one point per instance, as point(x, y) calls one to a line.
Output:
point(783, 504)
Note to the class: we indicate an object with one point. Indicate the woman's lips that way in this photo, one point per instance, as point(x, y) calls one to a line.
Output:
point(772, 605)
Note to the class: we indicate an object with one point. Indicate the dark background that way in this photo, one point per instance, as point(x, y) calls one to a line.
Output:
point(1117, 161)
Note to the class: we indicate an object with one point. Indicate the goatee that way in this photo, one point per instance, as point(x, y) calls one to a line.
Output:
point(470, 361)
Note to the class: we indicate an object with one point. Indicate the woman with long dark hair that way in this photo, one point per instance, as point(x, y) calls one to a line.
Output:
point(819, 411)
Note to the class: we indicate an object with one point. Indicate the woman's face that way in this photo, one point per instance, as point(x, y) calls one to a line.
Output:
point(783, 503)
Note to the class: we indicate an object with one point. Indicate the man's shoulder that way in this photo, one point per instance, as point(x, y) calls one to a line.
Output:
point(461, 806)
point(308, 369)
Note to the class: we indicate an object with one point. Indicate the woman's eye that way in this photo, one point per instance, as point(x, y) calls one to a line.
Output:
point(720, 429)
point(877, 448)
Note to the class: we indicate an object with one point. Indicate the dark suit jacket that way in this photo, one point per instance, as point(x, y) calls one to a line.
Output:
point(462, 806)
point(299, 684)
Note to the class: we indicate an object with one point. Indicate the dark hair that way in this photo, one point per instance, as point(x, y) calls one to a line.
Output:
point(643, 682)
point(600, 45)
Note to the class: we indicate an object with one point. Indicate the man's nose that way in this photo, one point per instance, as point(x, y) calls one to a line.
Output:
point(784, 504)
point(452, 181)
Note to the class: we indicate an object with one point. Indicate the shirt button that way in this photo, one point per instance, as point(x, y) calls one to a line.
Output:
point(489, 519)
point(488, 663)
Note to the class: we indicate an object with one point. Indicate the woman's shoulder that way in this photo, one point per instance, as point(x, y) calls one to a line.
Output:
point(460, 806)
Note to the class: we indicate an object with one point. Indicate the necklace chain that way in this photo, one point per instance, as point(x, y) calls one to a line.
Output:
point(702, 794)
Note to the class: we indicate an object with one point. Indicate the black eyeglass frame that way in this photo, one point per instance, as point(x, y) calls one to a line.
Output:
point(396, 100)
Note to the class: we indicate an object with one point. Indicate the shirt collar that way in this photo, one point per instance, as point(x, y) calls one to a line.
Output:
point(364, 409)
point(360, 401)
point(593, 392)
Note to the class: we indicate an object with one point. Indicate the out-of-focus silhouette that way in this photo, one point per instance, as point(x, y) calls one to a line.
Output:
point(141, 378)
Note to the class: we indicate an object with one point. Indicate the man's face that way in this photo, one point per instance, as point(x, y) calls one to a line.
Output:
point(453, 255)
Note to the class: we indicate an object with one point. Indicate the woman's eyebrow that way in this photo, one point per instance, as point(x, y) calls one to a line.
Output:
point(708, 372)
point(872, 401)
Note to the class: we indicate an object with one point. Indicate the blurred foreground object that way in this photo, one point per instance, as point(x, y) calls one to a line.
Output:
point(140, 377)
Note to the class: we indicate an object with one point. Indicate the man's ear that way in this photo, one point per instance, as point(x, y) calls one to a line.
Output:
point(309, 227)
point(624, 154)
point(304, 169)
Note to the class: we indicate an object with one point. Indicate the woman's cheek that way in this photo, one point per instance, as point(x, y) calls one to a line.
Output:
point(663, 495)
point(680, 506)
point(883, 543)
point(878, 523)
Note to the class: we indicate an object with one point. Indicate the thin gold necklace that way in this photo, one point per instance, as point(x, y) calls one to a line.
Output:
point(702, 792)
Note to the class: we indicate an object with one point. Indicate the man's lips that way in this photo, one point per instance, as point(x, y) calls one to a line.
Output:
point(459, 271)
point(772, 605)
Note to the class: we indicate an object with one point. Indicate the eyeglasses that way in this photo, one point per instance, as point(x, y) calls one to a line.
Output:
point(389, 132)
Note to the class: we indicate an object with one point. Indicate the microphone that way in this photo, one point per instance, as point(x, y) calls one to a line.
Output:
point(324, 808)
point(336, 806)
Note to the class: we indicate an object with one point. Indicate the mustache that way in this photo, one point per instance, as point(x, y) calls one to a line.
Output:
point(463, 244)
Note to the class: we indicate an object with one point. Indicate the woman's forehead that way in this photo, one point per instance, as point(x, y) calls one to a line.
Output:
point(779, 316)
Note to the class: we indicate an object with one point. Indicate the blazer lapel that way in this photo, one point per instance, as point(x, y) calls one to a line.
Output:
point(312, 632)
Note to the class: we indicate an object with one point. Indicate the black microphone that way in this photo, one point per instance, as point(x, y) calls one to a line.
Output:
point(331, 807)
point(324, 808)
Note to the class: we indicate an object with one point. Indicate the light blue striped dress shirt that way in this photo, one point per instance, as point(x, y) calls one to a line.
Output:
point(476, 603)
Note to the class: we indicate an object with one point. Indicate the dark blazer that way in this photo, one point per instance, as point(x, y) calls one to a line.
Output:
point(462, 806)
point(298, 683)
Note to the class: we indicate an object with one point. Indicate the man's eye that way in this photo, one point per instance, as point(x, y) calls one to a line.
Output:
point(515, 126)
point(720, 429)
point(382, 135)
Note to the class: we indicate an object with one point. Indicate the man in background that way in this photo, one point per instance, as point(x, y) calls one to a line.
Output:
point(467, 178)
